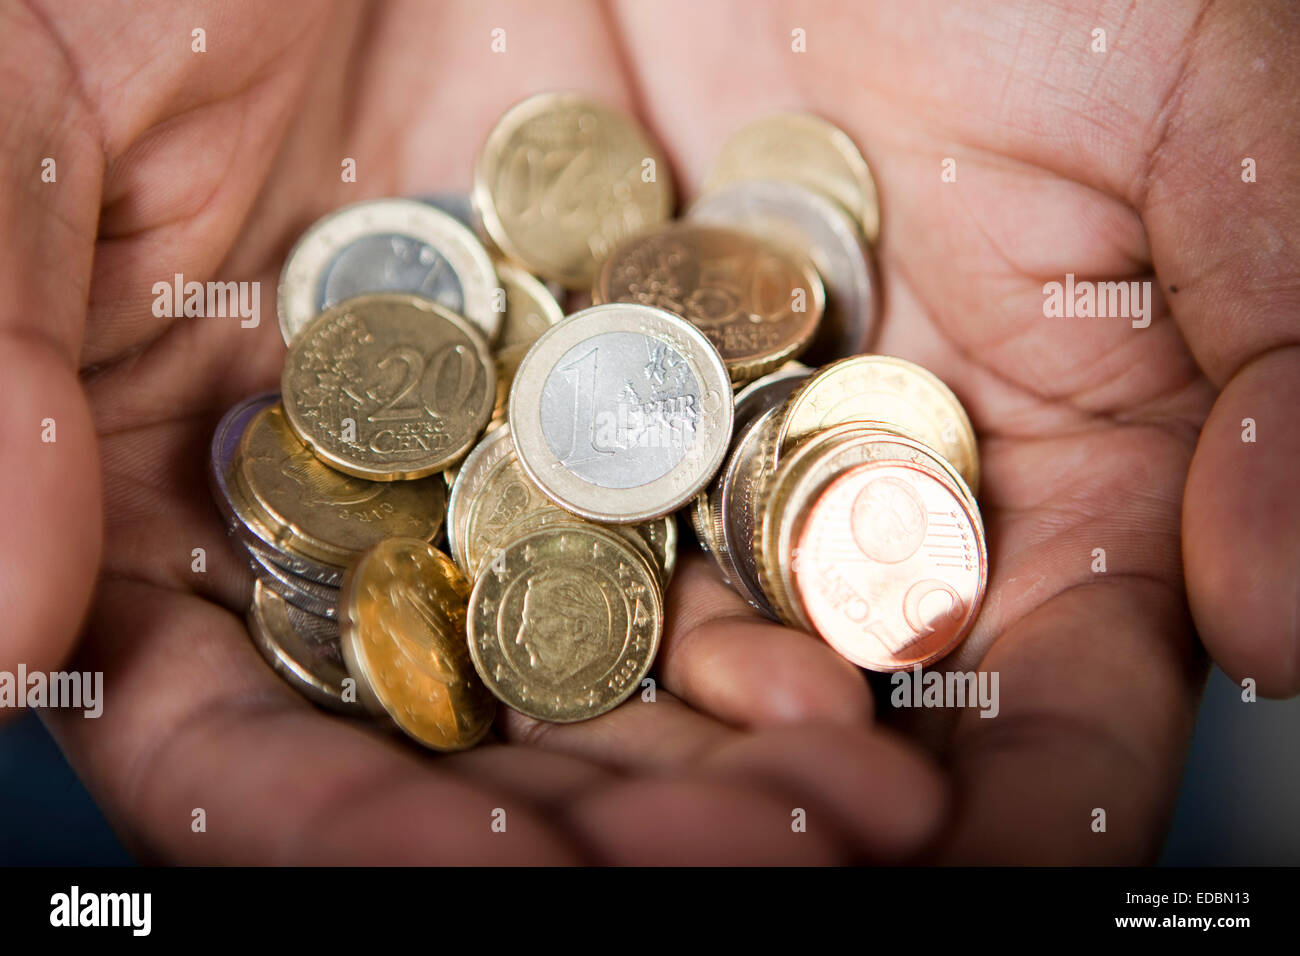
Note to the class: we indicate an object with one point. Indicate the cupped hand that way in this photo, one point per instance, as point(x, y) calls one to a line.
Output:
point(1106, 165)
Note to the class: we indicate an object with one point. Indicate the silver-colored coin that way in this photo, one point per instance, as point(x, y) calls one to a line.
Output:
point(735, 511)
point(621, 412)
point(798, 217)
point(241, 524)
point(303, 648)
point(388, 245)
point(766, 392)
point(319, 599)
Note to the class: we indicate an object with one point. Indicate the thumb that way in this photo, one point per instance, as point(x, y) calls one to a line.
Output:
point(51, 165)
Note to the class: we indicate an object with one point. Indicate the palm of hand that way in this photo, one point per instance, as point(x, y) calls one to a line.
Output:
point(220, 159)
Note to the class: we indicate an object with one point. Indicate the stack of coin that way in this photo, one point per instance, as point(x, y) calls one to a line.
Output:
point(433, 381)
point(846, 508)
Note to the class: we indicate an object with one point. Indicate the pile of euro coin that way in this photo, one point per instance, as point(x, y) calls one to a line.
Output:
point(494, 407)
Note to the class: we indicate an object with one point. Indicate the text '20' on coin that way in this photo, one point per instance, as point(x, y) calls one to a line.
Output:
point(389, 387)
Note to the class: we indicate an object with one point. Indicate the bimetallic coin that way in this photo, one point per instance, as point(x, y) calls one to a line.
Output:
point(890, 567)
point(323, 513)
point(403, 637)
point(563, 180)
point(531, 309)
point(758, 304)
point(242, 522)
point(565, 623)
point(388, 387)
point(303, 649)
point(885, 389)
point(795, 217)
point(805, 149)
point(621, 413)
point(387, 245)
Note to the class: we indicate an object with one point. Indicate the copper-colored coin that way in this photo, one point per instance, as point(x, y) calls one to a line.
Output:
point(562, 180)
point(801, 477)
point(388, 386)
point(322, 513)
point(890, 566)
point(403, 634)
point(757, 304)
point(886, 389)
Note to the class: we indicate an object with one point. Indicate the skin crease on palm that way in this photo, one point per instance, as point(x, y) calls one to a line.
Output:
point(1115, 165)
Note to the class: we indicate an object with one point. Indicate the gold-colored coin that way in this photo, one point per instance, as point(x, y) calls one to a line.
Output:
point(758, 305)
point(302, 648)
point(531, 309)
point(562, 180)
point(388, 386)
point(322, 513)
point(507, 364)
point(805, 149)
point(885, 389)
point(565, 622)
point(661, 536)
point(403, 635)
point(662, 558)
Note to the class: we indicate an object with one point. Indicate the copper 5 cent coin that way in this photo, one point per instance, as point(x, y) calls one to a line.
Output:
point(758, 305)
point(388, 387)
point(890, 566)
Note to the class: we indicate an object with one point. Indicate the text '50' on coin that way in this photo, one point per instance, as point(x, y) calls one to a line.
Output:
point(621, 413)
point(562, 180)
point(403, 634)
point(388, 245)
point(389, 387)
point(565, 622)
point(758, 305)
point(805, 221)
